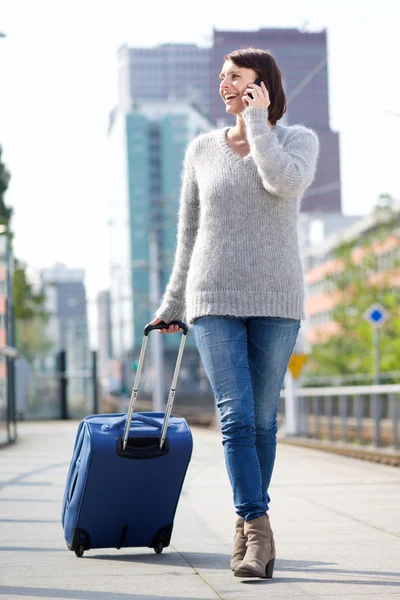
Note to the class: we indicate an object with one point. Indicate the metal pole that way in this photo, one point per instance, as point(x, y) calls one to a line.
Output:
point(156, 341)
point(376, 409)
point(329, 411)
point(343, 414)
point(292, 424)
point(62, 375)
point(94, 383)
point(394, 415)
point(10, 337)
point(377, 355)
point(9, 398)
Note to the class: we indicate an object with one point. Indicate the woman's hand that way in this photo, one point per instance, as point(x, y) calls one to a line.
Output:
point(260, 96)
point(171, 328)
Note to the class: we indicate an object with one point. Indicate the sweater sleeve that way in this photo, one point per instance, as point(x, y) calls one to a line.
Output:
point(286, 170)
point(173, 302)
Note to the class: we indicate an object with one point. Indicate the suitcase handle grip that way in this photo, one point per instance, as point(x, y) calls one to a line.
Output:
point(172, 390)
point(142, 419)
point(164, 325)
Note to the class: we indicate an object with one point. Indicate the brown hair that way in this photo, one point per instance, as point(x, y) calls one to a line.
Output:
point(264, 64)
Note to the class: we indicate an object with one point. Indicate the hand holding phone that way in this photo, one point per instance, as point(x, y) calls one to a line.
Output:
point(257, 82)
point(260, 99)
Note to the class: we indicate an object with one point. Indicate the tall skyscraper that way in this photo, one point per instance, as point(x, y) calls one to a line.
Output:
point(186, 71)
point(147, 147)
point(165, 72)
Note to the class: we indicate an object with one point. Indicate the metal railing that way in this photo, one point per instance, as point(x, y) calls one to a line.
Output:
point(60, 392)
point(8, 427)
point(359, 414)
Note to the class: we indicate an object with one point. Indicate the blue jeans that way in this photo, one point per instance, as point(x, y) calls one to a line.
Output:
point(245, 360)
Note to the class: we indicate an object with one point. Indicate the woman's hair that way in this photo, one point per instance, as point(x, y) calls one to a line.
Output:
point(264, 64)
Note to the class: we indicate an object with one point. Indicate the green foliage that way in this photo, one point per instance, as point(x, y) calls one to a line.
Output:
point(5, 212)
point(30, 316)
point(27, 303)
point(31, 338)
point(350, 350)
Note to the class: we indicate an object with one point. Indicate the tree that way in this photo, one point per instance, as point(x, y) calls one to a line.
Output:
point(5, 212)
point(29, 315)
point(361, 279)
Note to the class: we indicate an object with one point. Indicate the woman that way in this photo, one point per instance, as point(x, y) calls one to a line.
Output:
point(238, 276)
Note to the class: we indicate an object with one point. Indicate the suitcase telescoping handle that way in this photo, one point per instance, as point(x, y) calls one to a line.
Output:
point(171, 397)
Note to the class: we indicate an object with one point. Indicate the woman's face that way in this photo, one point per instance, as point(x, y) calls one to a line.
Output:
point(233, 84)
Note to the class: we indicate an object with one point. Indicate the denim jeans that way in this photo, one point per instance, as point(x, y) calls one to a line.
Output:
point(245, 360)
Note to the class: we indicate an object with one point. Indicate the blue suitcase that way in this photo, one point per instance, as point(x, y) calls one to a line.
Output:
point(126, 474)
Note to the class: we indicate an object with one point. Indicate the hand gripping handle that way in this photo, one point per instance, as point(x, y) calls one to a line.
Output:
point(171, 397)
point(164, 325)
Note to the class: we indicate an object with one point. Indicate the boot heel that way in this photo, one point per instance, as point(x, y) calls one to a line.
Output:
point(270, 569)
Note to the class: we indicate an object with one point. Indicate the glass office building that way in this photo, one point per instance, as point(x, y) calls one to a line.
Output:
point(164, 72)
point(147, 147)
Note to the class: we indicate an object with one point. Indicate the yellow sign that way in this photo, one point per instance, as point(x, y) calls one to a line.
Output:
point(296, 364)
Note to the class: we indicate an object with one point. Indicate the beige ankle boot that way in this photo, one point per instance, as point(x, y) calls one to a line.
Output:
point(260, 554)
point(239, 547)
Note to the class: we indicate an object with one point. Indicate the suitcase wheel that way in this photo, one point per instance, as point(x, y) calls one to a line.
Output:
point(79, 551)
point(159, 548)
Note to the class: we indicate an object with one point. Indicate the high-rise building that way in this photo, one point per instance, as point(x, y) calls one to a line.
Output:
point(302, 59)
point(65, 302)
point(67, 329)
point(165, 72)
point(186, 71)
point(67, 326)
point(147, 148)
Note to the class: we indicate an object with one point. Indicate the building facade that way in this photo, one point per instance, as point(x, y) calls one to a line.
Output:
point(320, 261)
point(67, 330)
point(67, 305)
point(147, 148)
point(165, 72)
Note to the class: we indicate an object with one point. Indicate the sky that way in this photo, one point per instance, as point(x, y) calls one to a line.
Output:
point(58, 83)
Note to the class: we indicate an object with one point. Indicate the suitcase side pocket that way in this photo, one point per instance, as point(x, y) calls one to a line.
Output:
point(72, 476)
point(74, 480)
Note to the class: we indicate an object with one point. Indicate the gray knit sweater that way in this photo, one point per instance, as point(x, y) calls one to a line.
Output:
point(237, 247)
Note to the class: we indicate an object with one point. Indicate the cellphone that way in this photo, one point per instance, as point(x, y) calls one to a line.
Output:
point(257, 82)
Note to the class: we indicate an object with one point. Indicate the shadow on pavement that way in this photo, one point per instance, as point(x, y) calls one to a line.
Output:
point(30, 500)
point(203, 560)
point(374, 582)
point(79, 594)
point(306, 567)
point(29, 549)
point(29, 521)
point(171, 557)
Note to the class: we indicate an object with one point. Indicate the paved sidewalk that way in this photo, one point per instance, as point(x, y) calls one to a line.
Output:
point(336, 522)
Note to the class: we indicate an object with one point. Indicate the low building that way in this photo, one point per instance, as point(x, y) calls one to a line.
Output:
point(320, 261)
